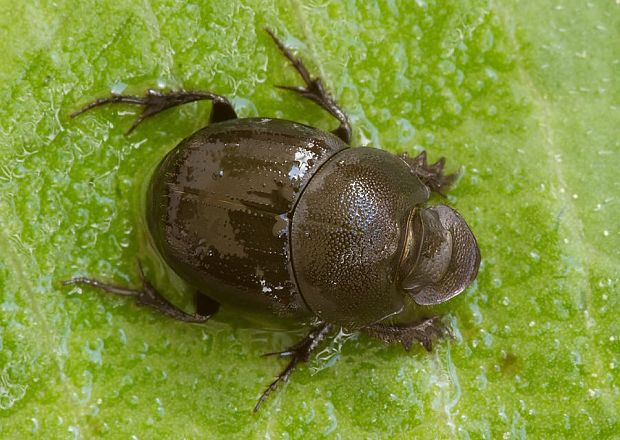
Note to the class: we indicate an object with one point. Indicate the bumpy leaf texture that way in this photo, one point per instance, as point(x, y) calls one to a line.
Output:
point(524, 96)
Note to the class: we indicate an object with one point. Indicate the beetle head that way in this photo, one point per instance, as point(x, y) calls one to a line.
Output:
point(440, 256)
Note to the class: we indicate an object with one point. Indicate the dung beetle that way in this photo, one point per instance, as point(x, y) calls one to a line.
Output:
point(282, 218)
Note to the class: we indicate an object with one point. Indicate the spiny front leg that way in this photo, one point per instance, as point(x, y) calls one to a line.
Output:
point(422, 332)
point(155, 102)
point(148, 296)
point(299, 352)
point(314, 91)
point(431, 175)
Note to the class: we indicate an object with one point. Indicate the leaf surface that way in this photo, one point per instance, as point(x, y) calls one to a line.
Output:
point(523, 96)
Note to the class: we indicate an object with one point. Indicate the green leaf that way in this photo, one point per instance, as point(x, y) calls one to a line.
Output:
point(524, 96)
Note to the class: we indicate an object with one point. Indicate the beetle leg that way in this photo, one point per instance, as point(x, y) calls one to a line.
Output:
point(149, 297)
point(431, 175)
point(300, 352)
point(422, 332)
point(155, 102)
point(314, 91)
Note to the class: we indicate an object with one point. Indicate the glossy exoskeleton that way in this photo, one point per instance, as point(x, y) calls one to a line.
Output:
point(274, 216)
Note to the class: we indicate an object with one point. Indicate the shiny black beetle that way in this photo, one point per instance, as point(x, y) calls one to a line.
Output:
point(274, 216)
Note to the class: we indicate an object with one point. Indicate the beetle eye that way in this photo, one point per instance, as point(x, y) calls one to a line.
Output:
point(446, 259)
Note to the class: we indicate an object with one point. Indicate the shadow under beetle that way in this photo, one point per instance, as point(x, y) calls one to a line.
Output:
point(274, 216)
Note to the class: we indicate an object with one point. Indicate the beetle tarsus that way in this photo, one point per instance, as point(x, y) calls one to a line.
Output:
point(300, 352)
point(423, 332)
point(314, 91)
point(431, 175)
point(147, 296)
point(155, 102)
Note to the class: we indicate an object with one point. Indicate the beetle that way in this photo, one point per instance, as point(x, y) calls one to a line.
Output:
point(285, 219)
